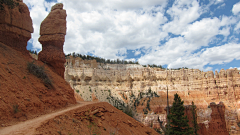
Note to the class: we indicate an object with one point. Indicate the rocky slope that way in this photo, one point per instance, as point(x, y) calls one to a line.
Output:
point(22, 94)
point(89, 77)
point(99, 118)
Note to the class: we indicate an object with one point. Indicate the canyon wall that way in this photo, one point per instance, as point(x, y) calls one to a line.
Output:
point(191, 84)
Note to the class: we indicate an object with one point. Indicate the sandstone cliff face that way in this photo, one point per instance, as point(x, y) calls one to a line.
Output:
point(53, 31)
point(191, 85)
point(16, 26)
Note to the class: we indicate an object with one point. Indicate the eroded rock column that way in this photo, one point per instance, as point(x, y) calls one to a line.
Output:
point(217, 125)
point(53, 31)
point(16, 26)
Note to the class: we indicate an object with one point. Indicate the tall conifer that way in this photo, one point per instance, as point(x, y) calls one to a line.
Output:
point(178, 124)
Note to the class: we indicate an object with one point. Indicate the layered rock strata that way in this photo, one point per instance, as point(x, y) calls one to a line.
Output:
point(191, 85)
point(16, 26)
point(53, 31)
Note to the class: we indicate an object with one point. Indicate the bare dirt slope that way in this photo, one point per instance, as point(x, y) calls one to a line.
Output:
point(29, 127)
point(94, 119)
point(23, 96)
point(85, 118)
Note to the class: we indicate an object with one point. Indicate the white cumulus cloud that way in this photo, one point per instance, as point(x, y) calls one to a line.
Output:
point(236, 8)
point(177, 35)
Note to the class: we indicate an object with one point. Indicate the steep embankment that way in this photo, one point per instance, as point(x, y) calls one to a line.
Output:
point(82, 118)
point(23, 95)
point(100, 118)
point(29, 126)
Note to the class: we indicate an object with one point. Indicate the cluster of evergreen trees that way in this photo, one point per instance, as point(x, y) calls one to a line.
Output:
point(33, 52)
point(101, 60)
point(160, 66)
point(153, 65)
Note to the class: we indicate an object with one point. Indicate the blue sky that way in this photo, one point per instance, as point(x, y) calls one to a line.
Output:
point(199, 34)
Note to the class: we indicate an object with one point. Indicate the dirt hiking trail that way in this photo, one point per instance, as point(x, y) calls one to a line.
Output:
point(28, 127)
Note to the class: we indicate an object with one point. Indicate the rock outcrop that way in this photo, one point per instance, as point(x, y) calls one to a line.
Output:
point(23, 95)
point(53, 31)
point(202, 129)
point(217, 125)
point(16, 26)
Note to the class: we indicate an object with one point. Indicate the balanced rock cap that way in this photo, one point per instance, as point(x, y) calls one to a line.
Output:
point(57, 6)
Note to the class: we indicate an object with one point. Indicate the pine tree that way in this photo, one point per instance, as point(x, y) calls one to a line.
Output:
point(178, 124)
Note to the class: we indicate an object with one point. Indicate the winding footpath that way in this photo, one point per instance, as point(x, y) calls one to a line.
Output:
point(28, 127)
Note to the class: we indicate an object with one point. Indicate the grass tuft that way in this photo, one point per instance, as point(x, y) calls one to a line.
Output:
point(15, 108)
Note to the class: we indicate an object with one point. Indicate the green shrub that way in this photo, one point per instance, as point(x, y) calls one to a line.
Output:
point(77, 91)
point(40, 72)
point(238, 124)
point(129, 111)
point(10, 3)
point(15, 108)
point(158, 130)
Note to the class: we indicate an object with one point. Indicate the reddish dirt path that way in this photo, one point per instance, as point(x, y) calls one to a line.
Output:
point(28, 127)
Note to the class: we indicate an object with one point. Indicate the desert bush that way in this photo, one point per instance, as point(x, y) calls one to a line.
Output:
point(40, 72)
point(238, 124)
point(129, 111)
point(15, 108)
point(158, 130)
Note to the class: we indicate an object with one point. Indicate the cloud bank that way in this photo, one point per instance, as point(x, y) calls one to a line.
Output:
point(182, 33)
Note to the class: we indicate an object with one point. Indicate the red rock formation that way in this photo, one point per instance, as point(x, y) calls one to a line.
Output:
point(217, 125)
point(202, 129)
point(188, 112)
point(53, 31)
point(16, 26)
